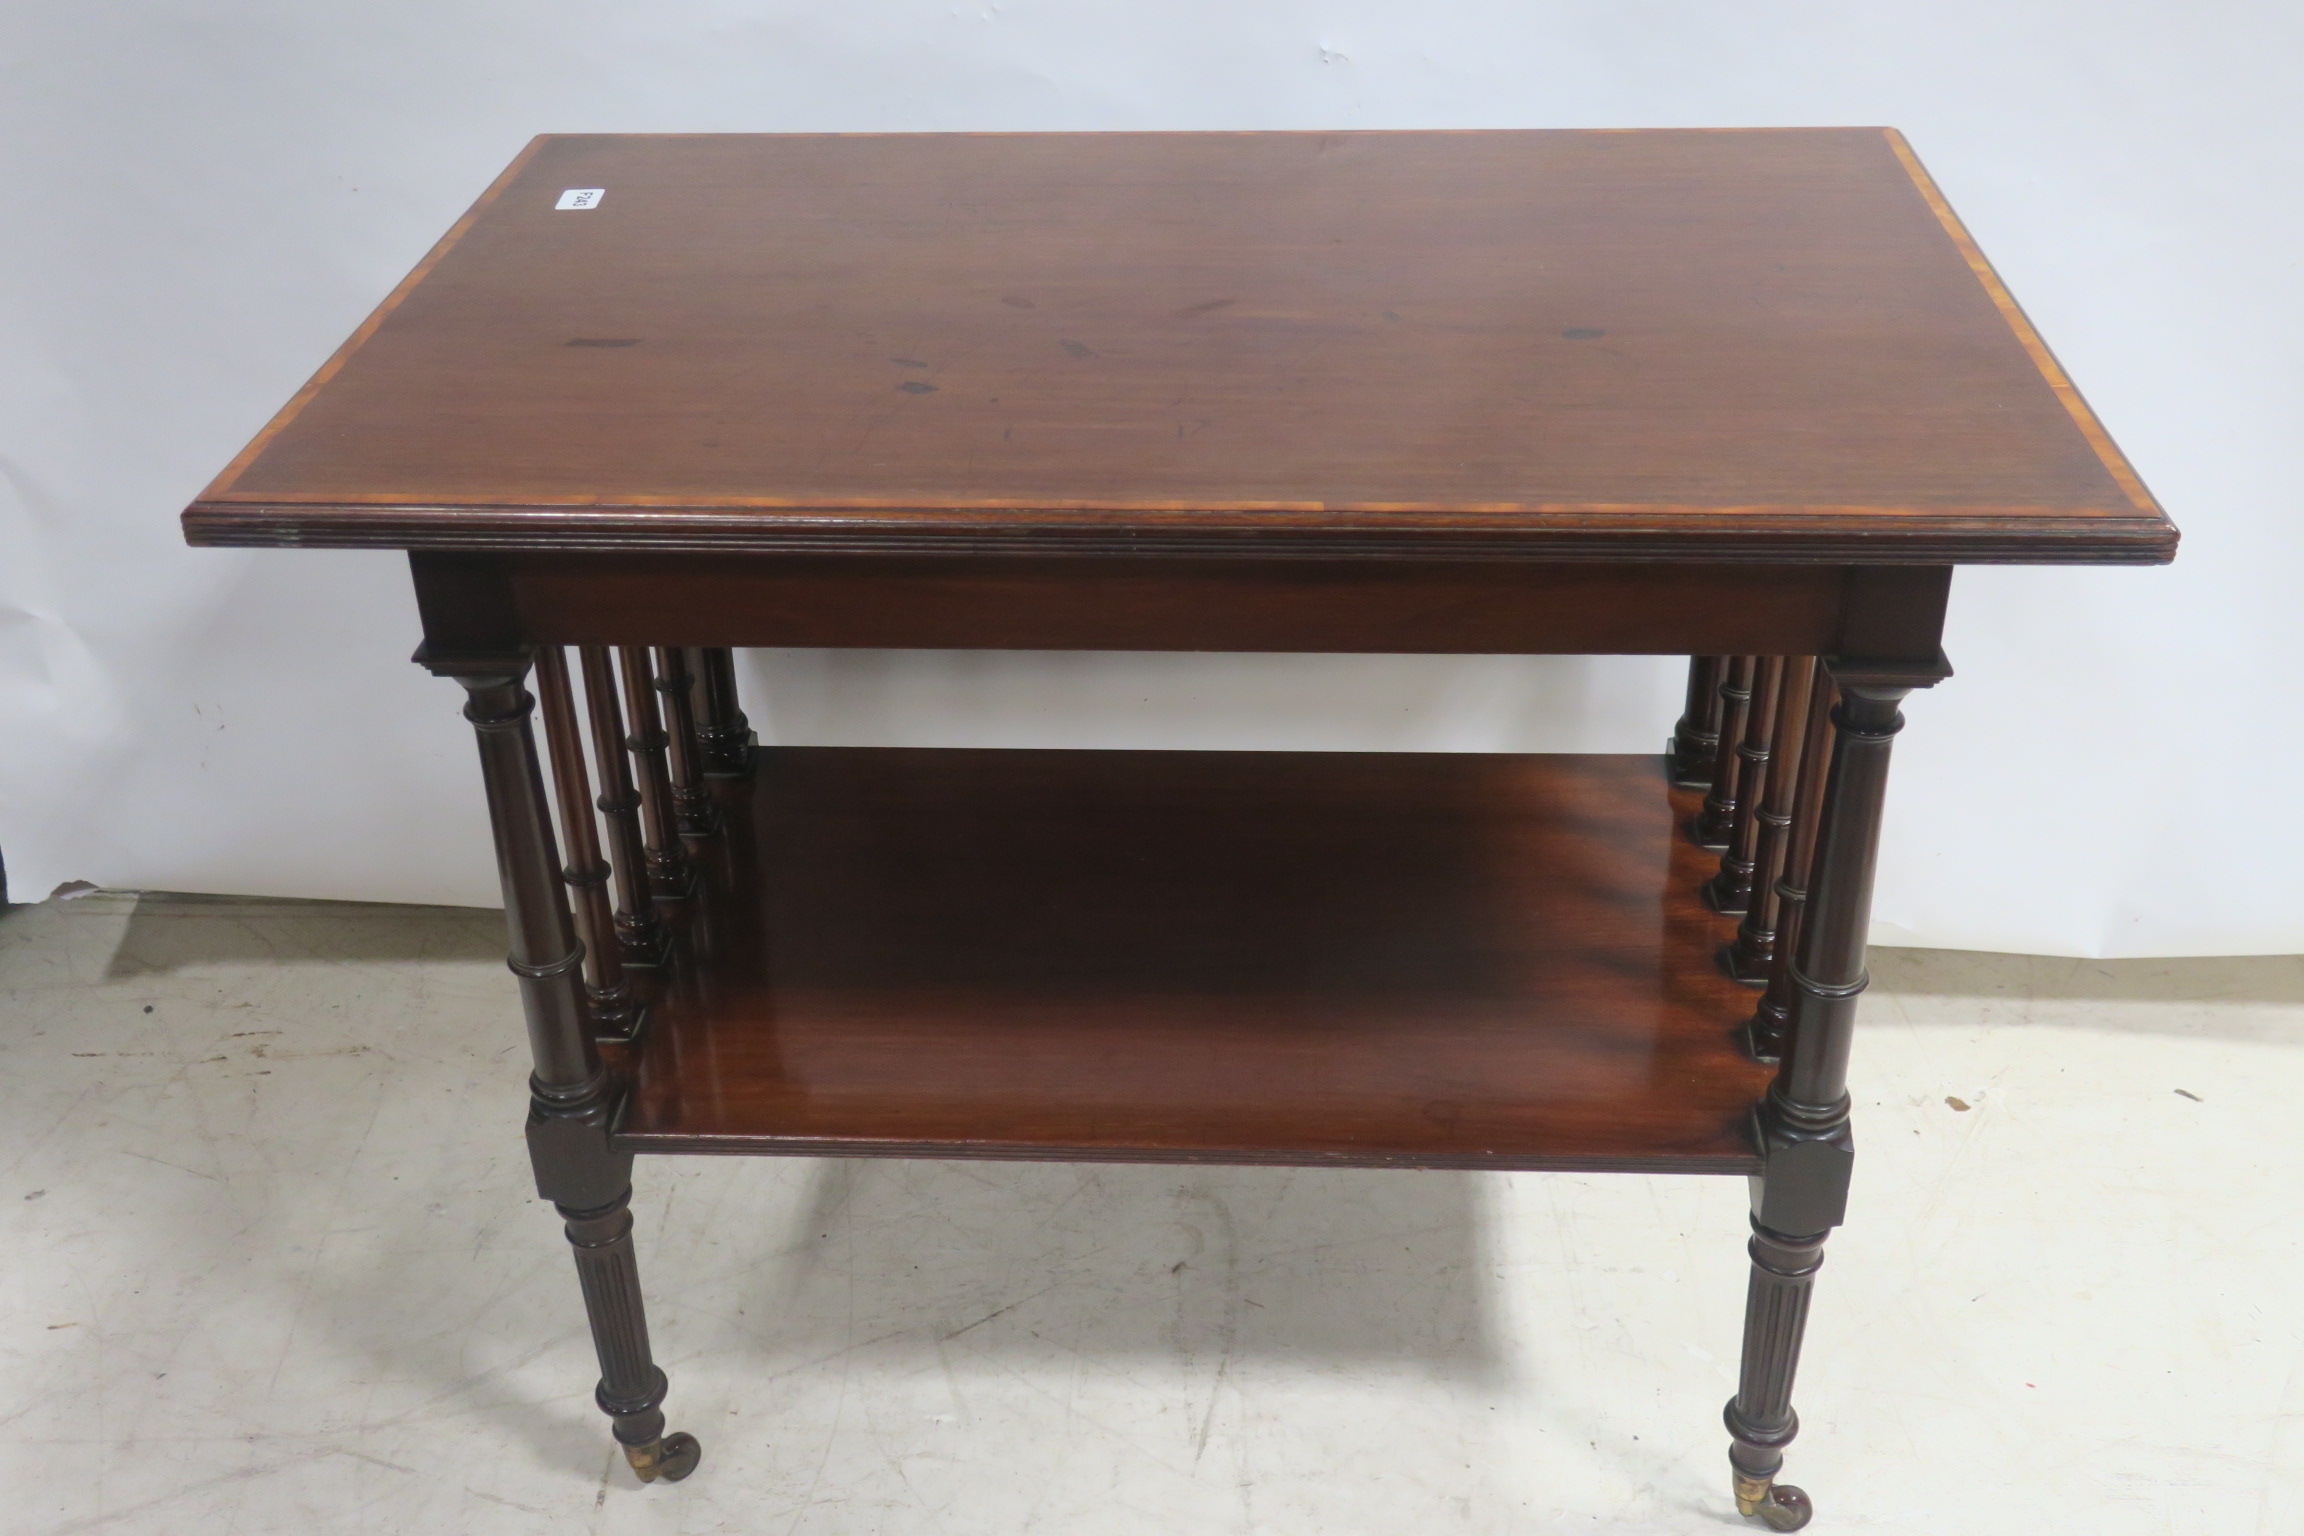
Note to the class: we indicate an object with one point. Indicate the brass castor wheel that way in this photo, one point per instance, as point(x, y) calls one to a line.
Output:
point(670, 1458)
point(1778, 1506)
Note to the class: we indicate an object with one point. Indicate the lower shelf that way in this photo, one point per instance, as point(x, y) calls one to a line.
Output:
point(1376, 959)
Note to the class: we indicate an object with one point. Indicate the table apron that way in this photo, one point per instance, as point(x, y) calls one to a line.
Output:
point(1043, 603)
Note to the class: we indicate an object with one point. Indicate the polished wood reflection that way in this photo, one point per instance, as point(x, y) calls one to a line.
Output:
point(1383, 959)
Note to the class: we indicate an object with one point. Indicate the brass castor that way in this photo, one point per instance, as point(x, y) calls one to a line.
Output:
point(670, 1458)
point(1778, 1506)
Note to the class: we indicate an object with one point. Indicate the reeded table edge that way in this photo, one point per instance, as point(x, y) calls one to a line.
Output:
point(1760, 535)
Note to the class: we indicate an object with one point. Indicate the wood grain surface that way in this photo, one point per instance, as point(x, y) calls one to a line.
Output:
point(1381, 959)
point(1676, 344)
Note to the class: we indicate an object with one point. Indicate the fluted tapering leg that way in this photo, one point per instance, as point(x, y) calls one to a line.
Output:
point(571, 1098)
point(1696, 738)
point(1731, 889)
point(1749, 957)
point(1713, 824)
point(669, 872)
point(721, 729)
point(638, 929)
point(586, 872)
point(1772, 1020)
point(1760, 1416)
point(691, 806)
point(632, 1386)
point(1807, 1150)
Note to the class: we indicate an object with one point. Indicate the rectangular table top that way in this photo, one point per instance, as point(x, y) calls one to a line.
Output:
point(1655, 345)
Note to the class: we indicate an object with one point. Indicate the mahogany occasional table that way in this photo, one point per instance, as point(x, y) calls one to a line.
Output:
point(1741, 396)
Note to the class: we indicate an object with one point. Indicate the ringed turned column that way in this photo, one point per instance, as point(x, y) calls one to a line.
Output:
point(638, 930)
point(586, 872)
point(1730, 891)
point(721, 729)
point(1771, 1020)
point(1712, 824)
point(691, 804)
point(1696, 738)
point(1750, 955)
point(670, 874)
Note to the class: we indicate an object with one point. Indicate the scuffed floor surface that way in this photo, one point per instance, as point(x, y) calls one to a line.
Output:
point(271, 1265)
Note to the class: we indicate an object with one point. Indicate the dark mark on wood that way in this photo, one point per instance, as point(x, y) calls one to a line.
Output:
point(1014, 302)
point(1583, 333)
point(1079, 349)
point(1189, 310)
point(603, 341)
point(915, 387)
point(1960, 1104)
point(2189, 1094)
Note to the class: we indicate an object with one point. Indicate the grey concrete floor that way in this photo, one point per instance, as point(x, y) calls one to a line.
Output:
point(272, 1265)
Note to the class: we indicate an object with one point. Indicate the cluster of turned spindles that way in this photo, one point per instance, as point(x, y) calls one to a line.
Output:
point(660, 721)
point(1756, 739)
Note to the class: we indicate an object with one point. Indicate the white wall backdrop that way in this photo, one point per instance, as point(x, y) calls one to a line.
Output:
point(198, 199)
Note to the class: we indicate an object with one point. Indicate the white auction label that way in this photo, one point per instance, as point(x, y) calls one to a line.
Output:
point(580, 197)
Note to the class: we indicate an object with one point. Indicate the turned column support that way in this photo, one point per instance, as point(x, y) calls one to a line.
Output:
point(545, 954)
point(1730, 891)
point(1713, 823)
point(1827, 970)
point(721, 729)
point(692, 806)
point(586, 873)
point(639, 932)
point(670, 874)
point(1772, 1020)
point(1695, 743)
point(1801, 1126)
point(1753, 951)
